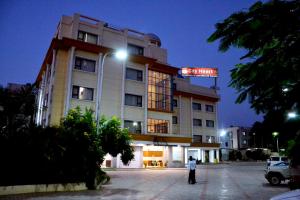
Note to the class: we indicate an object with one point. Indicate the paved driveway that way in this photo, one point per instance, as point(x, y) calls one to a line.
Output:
point(223, 181)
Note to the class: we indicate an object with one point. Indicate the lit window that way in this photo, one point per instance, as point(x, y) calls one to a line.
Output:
point(209, 108)
point(133, 100)
point(197, 122)
point(158, 126)
point(210, 123)
point(159, 91)
point(85, 64)
point(87, 37)
point(210, 139)
point(196, 106)
point(82, 93)
point(133, 127)
point(134, 74)
point(134, 49)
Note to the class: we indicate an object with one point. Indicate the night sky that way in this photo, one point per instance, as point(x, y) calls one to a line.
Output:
point(27, 28)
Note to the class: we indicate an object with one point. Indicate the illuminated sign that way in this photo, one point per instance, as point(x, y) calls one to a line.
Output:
point(199, 71)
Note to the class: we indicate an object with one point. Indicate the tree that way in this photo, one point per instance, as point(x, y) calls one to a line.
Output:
point(16, 108)
point(269, 75)
point(114, 139)
point(269, 32)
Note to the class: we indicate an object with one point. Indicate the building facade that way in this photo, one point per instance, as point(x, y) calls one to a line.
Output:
point(168, 117)
point(235, 138)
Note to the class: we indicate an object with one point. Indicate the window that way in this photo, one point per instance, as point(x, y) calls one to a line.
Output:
point(87, 37)
point(245, 141)
point(158, 126)
point(133, 100)
point(209, 108)
point(244, 133)
point(197, 138)
point(210, 139)
point(134, 74)
point(82, 93)
point(159, 91)
point(133, 127)
point(196, 106)
point(174, 102)
point(174, 120)
point(134, 49)
point(85, 64)
point(197, 122)
point(210, 123)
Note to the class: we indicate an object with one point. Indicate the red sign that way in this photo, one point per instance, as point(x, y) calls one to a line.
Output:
point(199, 71)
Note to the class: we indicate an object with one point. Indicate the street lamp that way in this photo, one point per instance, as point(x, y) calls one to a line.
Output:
point(275, 135)
point(292, 115)
point(120, 55)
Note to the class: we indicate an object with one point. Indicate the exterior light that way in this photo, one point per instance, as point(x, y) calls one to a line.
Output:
point(121, 54)
point(275, 134)
point(135, 124)
point(292, 115)
point(222, 133)
point(285, 89)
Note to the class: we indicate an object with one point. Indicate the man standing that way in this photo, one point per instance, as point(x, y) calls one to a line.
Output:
point(192, 169)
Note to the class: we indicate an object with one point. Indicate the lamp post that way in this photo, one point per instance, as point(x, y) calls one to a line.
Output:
point(120, 55)
point(275, 135)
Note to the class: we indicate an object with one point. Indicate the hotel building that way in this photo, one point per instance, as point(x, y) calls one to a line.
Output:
point(168, 117)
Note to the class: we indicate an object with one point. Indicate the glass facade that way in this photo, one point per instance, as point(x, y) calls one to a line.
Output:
point(159, 91)
point(158, 126)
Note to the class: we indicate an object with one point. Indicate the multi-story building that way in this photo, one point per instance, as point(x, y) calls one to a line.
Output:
point(168, 117)
point(234, 137)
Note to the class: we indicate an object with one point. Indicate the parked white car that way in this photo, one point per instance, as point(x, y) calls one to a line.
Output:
point(276, 159)
point(275, 173)
point(292, 195)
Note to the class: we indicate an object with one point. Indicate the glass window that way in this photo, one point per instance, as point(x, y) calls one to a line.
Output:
point(209, 108)
point(82, 93)
point(158, 126)
point(133, 100)
point(134, 74)
point(196, 106)
point(174, 120)
point(159, 91)
point(174, 102)
point(85, 64)
point(87, 37)
point(210, 139)
point(197, 122)
point(134, 49)
point(210, 123)
point(133, 127)
point(197, 138)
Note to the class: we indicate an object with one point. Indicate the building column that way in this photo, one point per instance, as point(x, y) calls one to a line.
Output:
point(203, 156)
point(69, 80)
point(180, 115)
point(170, 156)
point(51, 79)
point(211, 156)
point(218, 156)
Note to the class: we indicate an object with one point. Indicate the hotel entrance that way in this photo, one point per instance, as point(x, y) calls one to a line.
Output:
point(154, 156)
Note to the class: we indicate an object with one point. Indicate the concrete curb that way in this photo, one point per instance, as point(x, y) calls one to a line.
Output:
point(22, 189)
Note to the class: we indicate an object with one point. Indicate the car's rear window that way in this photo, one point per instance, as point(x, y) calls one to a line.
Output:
point(274, 158)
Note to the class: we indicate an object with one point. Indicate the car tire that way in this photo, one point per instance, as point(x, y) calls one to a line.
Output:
point(274, 179)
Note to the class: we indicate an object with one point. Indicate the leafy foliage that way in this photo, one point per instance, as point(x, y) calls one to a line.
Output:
point(270, 34)
point(115, 140)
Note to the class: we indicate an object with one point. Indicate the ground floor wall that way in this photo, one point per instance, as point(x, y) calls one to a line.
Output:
point(151, 156)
